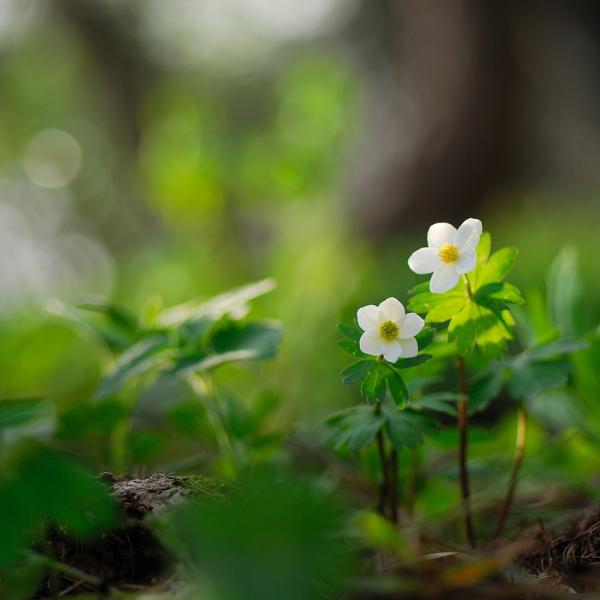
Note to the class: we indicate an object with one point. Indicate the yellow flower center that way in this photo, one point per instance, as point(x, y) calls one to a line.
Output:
point(448, 253)
point(389, 331)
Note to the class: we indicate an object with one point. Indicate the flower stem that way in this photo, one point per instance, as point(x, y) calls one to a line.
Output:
point(393, 466)
point(521, 438)
point(463, 426)
point(383, 485)
point(468, 284)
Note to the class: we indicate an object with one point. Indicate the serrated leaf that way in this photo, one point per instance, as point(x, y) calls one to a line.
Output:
point(374, 384)
point(352, 332)
point(357, 371)
point(461, 330)
point(439, 307)
point(498, 266)
point(447, 308)
point(355, 427)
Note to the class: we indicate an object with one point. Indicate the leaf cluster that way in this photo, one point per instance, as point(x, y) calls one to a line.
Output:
point(477, 310)
point(188, 338)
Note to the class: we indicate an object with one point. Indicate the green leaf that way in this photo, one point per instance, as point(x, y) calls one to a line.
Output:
point(354, 427)
point(439, 307)
point(425, 337)
point(260, 338)
point(351, 347)
point(462, 330)
point(139, 359)
point(352, 332)
point(498, 266)
point(24, 416)
point(397, 387)
point(374, 384)
point(120, 316)
point(556, 348)
point(20, 581)
point(406, 428)
point(446, 308)
point(565, 292)
point(43, 485)
point(206, 362)
point(233, 304)
point(357, 371)
point(438, 402)
point(497, 296)
point(529, 379)
point(414, 361)
point(485, 386)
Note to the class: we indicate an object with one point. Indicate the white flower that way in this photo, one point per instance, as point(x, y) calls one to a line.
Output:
point(388, 330)
point(450, 254)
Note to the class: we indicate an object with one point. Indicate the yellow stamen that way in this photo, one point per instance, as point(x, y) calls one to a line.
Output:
point(448, 253)
point(389, 331)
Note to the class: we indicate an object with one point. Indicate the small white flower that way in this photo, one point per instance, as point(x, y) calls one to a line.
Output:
point(450, 253)
point(388, 330)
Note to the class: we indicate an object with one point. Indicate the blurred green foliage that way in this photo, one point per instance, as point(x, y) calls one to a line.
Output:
point(226, 182)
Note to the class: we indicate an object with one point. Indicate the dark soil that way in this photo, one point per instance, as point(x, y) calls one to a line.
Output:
point(130, 555)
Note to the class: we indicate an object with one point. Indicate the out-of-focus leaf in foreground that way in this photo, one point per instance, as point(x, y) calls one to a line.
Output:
point(40, 486)
point(277, 537)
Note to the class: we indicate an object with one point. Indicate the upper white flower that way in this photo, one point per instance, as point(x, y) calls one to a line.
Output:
point(388, 330)
point(450, 253)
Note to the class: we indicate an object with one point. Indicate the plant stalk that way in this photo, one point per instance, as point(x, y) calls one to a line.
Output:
point(384, 483)
point(393, 467)
point(519, 456)
point(463, 427)
point(203, 392)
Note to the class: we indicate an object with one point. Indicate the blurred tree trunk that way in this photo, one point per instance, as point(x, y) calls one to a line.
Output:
point(444, 110)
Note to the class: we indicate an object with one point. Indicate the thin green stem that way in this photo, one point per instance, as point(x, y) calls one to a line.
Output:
point(468, 284)
point(519, 456)
point(463, 427)
point(203, 393)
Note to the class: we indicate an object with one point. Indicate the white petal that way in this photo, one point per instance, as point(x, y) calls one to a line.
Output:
point(371, 343)
point(392, 351)
point(468, 234)
point(424, 260)
point(440, 234)
point(410, 347)
point(411, 325)
point(368, 317)
point(392, 309)
point(466, 262)
point(444, 278)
